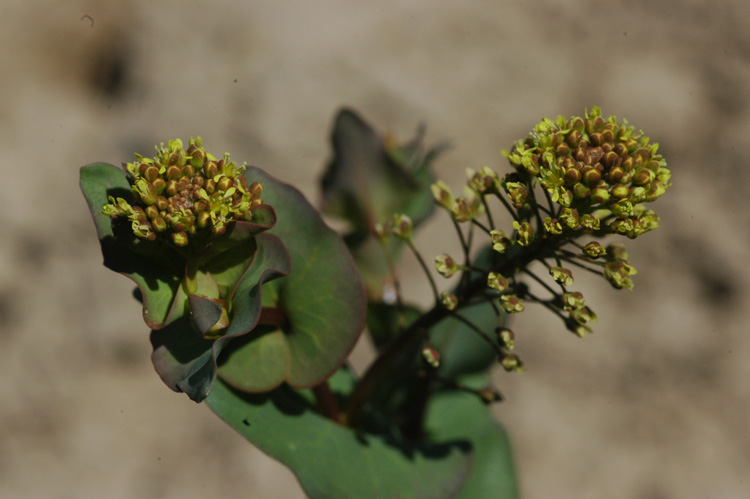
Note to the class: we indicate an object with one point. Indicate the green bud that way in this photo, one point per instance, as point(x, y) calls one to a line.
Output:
point(512, 363)
point(497, 281)
point(511, 304)
point(573, 300)
point(500, 241)
point(505, 337)
point(600, 194)
point(445, 265)
point(489, 396)
point(402, 226)
point(431, 357)
point(442, 195)
point(449, 300)
point(561, 275)
point(485, 181)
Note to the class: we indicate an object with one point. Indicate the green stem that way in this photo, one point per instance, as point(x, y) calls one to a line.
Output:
point(413, 334)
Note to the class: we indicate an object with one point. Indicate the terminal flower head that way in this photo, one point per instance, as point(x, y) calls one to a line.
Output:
point(185, 195)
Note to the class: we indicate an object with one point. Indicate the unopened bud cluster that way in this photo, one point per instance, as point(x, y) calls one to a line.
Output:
point(183, 195)
point(593, 168)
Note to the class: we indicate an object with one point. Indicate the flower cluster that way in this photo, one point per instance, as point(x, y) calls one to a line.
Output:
point(183, 195)
point(599, 171)
point(595, 175)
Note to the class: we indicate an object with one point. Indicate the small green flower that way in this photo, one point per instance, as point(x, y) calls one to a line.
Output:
point(524, 233)
point(442, 194)
point(561, 275)
point(445, 265)
point(517, 191)
point(485, 181)
point(553, 226)
point(402, 226)
point(512, 363)
point(497, 282)
point(594, 250)
point(511, 304)
point(466, 208)
point(573, 300)
point(506, 337)
point(500, 241)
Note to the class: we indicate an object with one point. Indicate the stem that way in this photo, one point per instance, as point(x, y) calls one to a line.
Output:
point(327, 404)
point(426, 270)
point(419, 328)
point(271, 316)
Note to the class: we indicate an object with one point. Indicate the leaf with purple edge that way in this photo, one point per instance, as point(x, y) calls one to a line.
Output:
point(322, 299)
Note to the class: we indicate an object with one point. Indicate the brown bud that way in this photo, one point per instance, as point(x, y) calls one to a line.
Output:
point(159, 224)
point(620, 149)
point(574, 137)
point(615, 174)
point(597, 138)
point(204, 219)
point(611, 159)
point(572, 176)
point(152, 212)
point(162, 203)
point(591, 176)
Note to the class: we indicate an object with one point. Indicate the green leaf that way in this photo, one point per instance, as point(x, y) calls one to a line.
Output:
point(322, 300)
point(458, 415)
point(462, 350)
point(155, 268)
point(368, 180)
point(330, 460)
point(187, 362)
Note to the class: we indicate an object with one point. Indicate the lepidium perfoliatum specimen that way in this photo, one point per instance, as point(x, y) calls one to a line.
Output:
point(254, 303)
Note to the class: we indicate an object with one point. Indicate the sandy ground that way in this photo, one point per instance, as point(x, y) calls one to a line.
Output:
point(655, 405)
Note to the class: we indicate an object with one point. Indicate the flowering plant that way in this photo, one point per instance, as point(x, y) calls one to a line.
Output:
point(254, 303)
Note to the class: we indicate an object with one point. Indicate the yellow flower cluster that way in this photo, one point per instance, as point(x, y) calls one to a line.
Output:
point(185, 194)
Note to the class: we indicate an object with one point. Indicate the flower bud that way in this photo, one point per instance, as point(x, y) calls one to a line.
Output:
point(402, 226)
point(449, 300)
point(573, 300)
point(561, 275)
point(180, 239)
point(442, 195)
point(594, 250)
point(505, 337)
point(431, 357)
point(497, 281)
point(511, 304)
point(511, 363)
point(445, 265)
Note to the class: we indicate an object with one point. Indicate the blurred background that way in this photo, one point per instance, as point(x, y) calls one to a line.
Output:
point(655, 404)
